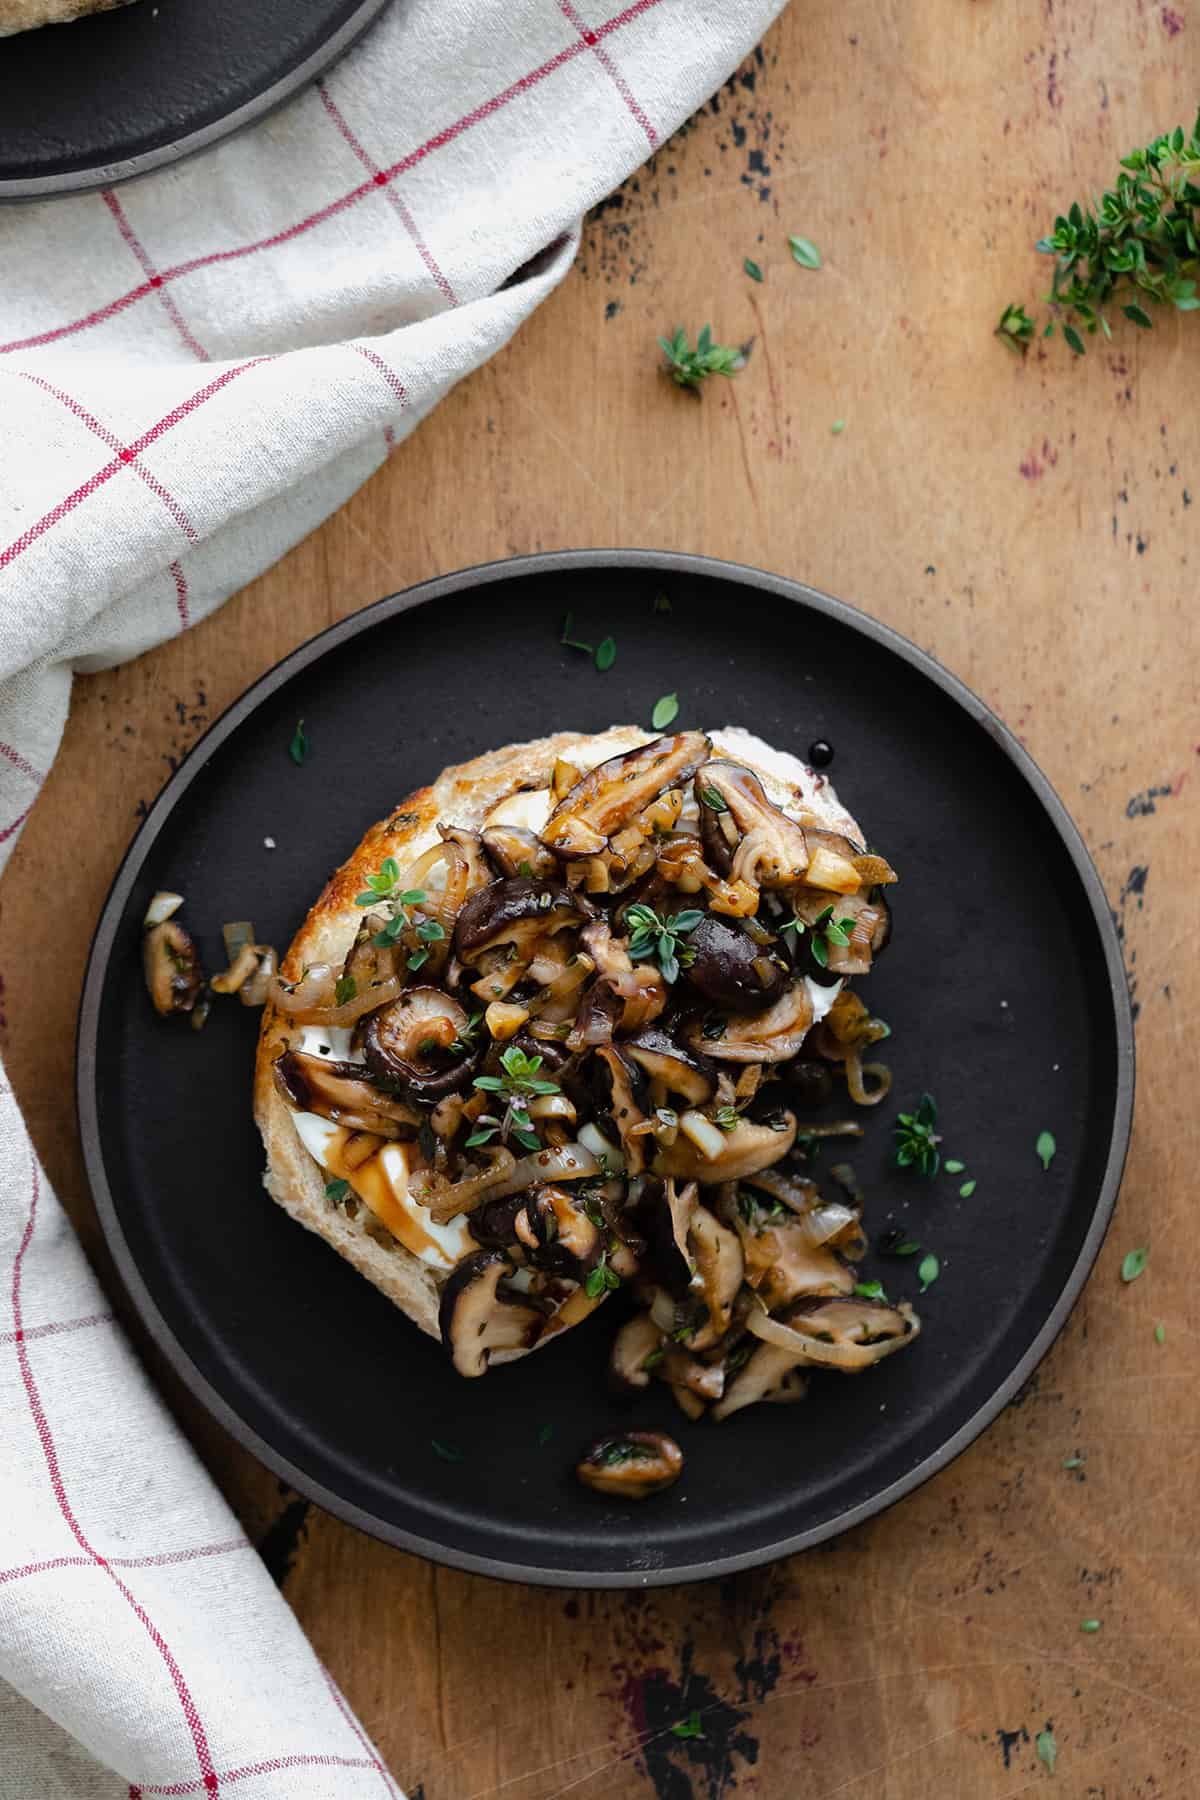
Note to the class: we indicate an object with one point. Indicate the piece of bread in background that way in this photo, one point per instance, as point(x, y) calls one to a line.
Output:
point(23, 15)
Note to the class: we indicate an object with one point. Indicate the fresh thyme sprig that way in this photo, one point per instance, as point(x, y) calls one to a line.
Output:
point(688, 367)
point(653, 938)
point(381, 890)
point(827, 933)
point(1139, 241)
point(520, 1081)
point(917, 1141)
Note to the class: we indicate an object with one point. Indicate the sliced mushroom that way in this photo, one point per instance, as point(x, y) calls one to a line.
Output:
point(639, 1341)
point(516, 851)
point(171, 963)
point(771, 850)
point(621, 1083)
point(418, 1041)
point(613, 793)
point(640, 987)
point(770, 1373)
point(845, 1333)
point(691, 1077)
point(719, 1269)
point(664, 1214)
point(732, 971)
point(631, 1467)
point(343, 1092)
point(479, 875)
point(515, 911)
point(749, 1146)
point(784, 1262)
point(765, 1037)
point(681, 1370)
point(479, 1315)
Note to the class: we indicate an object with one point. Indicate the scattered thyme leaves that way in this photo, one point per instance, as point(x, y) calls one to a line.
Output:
point(968, 1188)
point(871, 1290)
point(298, 748)
point(688, 367)
point(805, 252)
point(1089, 1625)
point(1160, 1334)
point(345, 988)
point(752, 269)
point(928, 1270)
point(1046, 1148)
point(837, 428)
point(544, 1436)
point(336, 1191)
point(606, 653)
point(448, 1453)
point(666, 711)
point(1134, 1264)
point(1047, 1749)
point(1073, 1462)
point(953, 1167)
point(1015, 329)
point(689, 1727)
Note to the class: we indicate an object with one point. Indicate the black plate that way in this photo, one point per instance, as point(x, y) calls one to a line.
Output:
point(1004, 986)
point(115, 94)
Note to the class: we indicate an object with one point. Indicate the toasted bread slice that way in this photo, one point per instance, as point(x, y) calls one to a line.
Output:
point(462, 795)
point(25, 15)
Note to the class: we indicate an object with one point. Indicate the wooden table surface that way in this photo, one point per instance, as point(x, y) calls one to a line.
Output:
point(1032, 525)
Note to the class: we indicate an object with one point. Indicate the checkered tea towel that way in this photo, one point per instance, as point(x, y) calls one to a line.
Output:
point(195, 370)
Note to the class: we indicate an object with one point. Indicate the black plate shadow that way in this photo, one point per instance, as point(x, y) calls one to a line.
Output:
point(1004, 986)
point(119, 93)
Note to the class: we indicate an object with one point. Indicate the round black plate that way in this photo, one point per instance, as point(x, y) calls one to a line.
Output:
point(1004, 987)
point(115, 94)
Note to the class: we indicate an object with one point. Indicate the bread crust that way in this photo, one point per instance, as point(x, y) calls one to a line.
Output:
point(464, 794)
point(27, 15)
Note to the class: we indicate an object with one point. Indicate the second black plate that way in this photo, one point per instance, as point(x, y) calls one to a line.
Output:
point(115, 94)
point(1004, 988)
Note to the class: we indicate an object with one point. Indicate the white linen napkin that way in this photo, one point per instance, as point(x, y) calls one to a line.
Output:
point(195, 370)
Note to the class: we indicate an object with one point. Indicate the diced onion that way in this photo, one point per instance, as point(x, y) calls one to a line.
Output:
point(707, 1137)
point(162, 907)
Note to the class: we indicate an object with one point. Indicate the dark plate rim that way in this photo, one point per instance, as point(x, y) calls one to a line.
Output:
point(79, 181)
point(445, 587)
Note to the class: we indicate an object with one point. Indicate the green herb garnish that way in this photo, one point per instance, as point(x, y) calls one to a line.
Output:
point(336, 1191)
point(1073, 1462)
point(601, 1279)
point(654, 1358)
point(1046, 1148)
point(1089, 1625)
point(928, 1270)
point(654, 938)
point(345, 988)
point(1160, 1334)
point(603, 654)
point(916, 1140)
point(544, 1436)
point(968, 1188)
point(837, 428)
point(805, 252)
point(520, 1081)
point(1046, 1748)
point(752, 269)
point(446, 1452)
point(953, 1167)
point(871, 1290)
point(1137, 243)
point(714, 800)
point(688, 368)
point(665, 711)
point(1134, 1264)
point(689, 1727)
point(1015, 329)
point(298, 748)
point(726, 1118)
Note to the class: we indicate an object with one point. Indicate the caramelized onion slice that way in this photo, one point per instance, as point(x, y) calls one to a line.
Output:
point(838, 1332)
point(566, 1162)
point(616, 791)
point(310, 1001)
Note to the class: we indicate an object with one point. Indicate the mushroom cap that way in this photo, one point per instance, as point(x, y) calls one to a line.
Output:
point(513, 909)
point(477, 1317)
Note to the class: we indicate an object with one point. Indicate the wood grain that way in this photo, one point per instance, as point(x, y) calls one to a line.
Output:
point(1030, 523)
